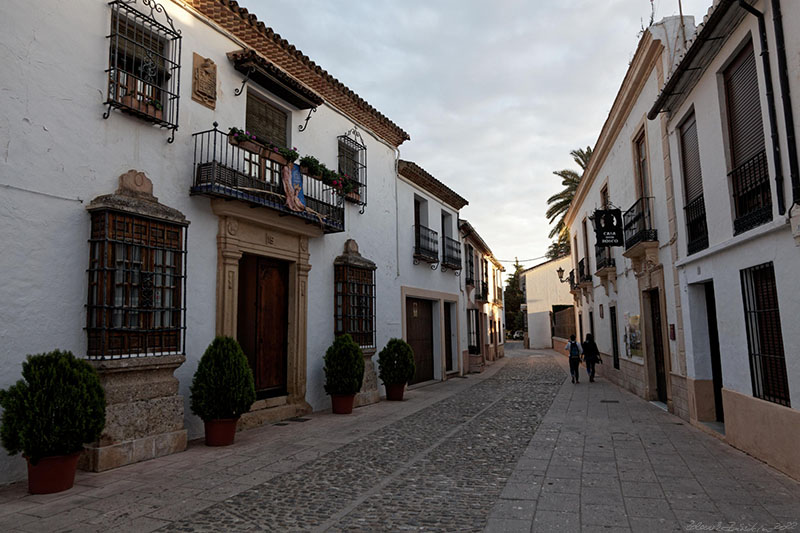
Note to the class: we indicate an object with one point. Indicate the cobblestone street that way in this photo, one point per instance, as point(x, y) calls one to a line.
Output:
point(517, 448)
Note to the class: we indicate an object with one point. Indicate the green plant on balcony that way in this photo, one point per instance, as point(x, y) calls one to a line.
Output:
point(238, 134)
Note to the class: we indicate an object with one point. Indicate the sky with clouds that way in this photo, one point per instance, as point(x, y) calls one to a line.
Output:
point(493, 94)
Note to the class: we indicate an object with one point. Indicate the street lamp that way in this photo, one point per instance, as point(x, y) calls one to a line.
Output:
point(560, 272)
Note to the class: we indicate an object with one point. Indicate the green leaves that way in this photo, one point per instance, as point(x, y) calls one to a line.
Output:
point(57, 407)
point(344, 366)
point(559, 203)
point(222, 386)
point(396, 363)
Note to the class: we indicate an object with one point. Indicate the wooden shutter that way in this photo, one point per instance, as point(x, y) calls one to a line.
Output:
point(744, 107)
point(690, 160)
point(266, 121)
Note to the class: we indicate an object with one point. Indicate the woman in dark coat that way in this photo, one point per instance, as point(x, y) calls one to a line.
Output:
point(591, 355)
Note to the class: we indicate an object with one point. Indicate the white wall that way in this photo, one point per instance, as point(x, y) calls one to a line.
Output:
point(727, 254)
point(58, 153)
point(543, 290)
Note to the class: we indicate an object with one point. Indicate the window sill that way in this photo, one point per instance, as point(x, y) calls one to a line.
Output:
point(752, 234)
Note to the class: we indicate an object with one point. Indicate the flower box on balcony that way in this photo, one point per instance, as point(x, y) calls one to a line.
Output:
point(149, 107)
point(246, 144)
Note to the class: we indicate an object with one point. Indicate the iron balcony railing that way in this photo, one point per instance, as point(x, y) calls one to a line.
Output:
point(573, 285)
point(752, 198)
point(696, 227)
point(638, 223)
point(426, 244)
point(583, 273)
point(482, 293)
point(451, 253)
point(603, 257)
point(245, 172)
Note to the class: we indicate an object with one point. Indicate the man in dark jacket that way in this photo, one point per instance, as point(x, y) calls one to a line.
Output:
point(591, 355)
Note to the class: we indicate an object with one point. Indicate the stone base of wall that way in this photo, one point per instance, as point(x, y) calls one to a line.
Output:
point(680, 396)
point(369, 387)
point(272, 410)
point(763, 429)
point(629, 376)
point(476, 363)
point(144, 413)
point(501, 351)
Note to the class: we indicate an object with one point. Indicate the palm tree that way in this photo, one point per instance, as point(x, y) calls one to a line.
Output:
point(559, 203)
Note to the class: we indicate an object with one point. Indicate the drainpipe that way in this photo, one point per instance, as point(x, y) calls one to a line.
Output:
point(788, 117)
point(773, 126)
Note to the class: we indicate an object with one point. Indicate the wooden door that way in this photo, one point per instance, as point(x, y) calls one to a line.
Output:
point(612, 311)
point(448, 340)
point(263, 314)
point(716, 358)
point(419, 330)
point(658, 346)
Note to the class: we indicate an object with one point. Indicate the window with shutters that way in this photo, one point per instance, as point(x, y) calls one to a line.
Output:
point(136, 286)
point(144, 64)
point(642, 171)
point(752, 199)
point(267, 122)
point(695, 207)
point(764, 335)
point(473, 327)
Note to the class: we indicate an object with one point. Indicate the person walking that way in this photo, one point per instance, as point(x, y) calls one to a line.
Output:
point(591, 355)
point(574, 350)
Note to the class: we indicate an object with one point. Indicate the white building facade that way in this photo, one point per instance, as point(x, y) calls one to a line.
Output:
point(546, 299)
point(730, 108)
point(625, 295)
point(135, 227)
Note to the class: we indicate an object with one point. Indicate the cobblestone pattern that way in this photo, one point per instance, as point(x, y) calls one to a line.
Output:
point(440, 469)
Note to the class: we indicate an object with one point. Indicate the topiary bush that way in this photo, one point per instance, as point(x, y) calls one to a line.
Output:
point(57, 407)
point(396, 363)
point(222, 386)
point(344, 367)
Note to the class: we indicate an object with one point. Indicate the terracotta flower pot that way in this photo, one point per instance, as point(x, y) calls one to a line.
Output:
point(220, 432)
point(342, 404)
point(52, 474)
point(394, 392)
point(246, 144)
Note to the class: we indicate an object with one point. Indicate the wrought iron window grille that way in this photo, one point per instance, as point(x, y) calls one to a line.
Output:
point(144, 64)
point(696, 226)
point(638, 223)
point(137, 286)
point(752, 198)
point(353, 164)
point(426, 246)
point(764, 335)
point(354, 304)
point(451, 255)
point(603, 257)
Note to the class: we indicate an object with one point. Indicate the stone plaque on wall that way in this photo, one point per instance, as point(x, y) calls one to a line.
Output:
point(204, 81)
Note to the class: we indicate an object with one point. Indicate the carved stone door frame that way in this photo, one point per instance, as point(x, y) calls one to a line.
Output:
point(262, 232)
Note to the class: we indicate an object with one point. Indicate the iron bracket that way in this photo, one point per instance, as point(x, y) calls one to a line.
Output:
point(305, 125)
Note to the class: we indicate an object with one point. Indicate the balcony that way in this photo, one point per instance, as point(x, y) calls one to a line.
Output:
point(574, 288)
point(641, 237)
point(752, 198)
point(696, 227)
point(251, 174)
point(482, 293)
point(584, 276)
point(426, 245)
point(451, 254)
point(606, 266)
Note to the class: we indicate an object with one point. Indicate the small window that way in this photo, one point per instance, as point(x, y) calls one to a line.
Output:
point(136, 286)
point(642, 183)
point(604, 199)
point(144, 64)
point(473, 327)
point(355, 303)
point(764, 334)
point(695, 208)
point(267, 122)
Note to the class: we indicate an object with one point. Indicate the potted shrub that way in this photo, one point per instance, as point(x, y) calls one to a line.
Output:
point(222, 389)
point(344, 372)
point(48, 416)
point(396, 367)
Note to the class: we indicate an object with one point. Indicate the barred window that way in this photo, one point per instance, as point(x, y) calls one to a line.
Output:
point(355, 303)
point(136, 286)
point(353, 164)
point(764, 335)
point(144, 63)
point(473, 325)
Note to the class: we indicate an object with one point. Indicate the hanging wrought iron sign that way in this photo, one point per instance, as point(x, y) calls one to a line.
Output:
point(608, 227)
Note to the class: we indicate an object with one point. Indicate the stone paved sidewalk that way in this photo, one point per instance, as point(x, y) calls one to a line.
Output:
point(606, 460)
point(517, 448)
